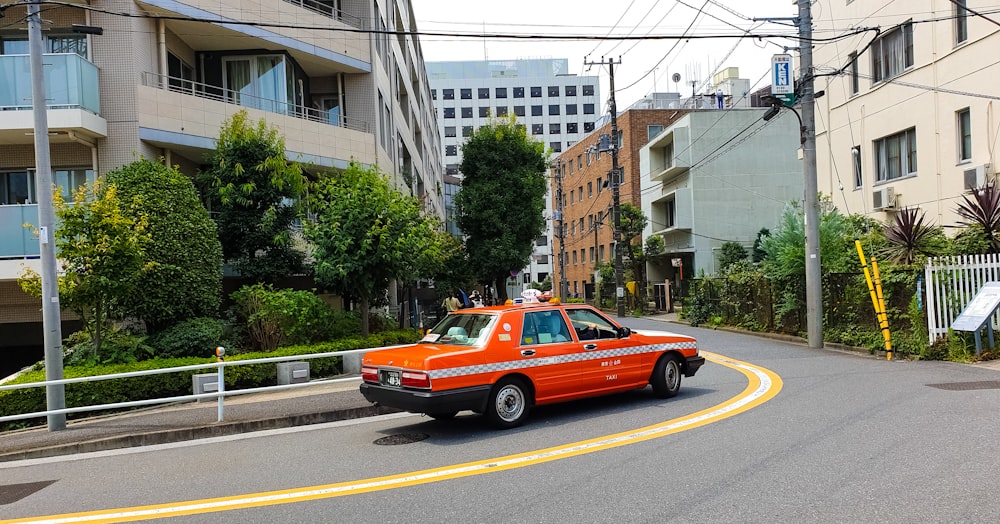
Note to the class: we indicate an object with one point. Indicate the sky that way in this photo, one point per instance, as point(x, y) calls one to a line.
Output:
point(646, 66)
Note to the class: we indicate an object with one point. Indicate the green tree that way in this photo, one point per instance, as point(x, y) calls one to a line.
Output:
point(633, 222)
point(500, 205)
point(729, 254)
point(254, 192)
point(182, 274)
point(98, 243)
point(366, 234)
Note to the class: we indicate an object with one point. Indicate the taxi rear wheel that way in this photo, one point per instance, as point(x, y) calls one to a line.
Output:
point(509, 403)
point(666, 379)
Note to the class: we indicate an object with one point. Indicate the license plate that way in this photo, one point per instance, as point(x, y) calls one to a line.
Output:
point(390, 378)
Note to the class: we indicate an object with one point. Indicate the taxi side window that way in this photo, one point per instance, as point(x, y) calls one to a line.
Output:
point(589, 325)
point(544, 327)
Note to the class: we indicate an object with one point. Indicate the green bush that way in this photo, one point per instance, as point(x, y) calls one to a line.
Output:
point(117, 347)
point(280, 317)
point(196, 337)
point(30, 400)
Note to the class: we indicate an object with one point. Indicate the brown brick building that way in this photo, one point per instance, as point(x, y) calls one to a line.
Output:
point(584, 173)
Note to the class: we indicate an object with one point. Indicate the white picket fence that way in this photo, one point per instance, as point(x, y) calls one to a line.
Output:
point(952, 282)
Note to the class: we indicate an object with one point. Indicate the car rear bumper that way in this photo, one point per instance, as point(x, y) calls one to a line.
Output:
point(420, 401)
point(692, 365)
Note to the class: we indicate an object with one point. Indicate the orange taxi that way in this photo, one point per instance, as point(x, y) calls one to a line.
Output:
point(502, 360)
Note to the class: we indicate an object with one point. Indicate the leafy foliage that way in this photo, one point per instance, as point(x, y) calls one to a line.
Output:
point(366, 234)
point(909, 237)
point(196, 337)
point(254, 192)
point(499, 207)
point(280, 317)
point(731, 253)
point(181, 275)
point(982, 208)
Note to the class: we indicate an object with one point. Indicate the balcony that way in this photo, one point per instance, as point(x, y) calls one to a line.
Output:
point(17, 241)
point(72, 97)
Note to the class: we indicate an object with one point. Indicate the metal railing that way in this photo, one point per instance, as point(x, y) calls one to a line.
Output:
point(327, 10)
point(220, 394)
point(229, 96)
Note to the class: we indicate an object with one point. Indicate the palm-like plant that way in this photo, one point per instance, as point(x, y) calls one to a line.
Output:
point(910, 237)
point(983, 208)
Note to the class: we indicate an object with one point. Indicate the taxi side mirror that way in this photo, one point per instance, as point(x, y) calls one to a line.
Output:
point(624, 332)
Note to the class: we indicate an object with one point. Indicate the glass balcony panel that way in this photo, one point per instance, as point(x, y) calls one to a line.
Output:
point(17, 241)
point(70, 83)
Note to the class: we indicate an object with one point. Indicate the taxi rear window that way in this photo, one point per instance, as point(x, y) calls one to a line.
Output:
point(462, 330)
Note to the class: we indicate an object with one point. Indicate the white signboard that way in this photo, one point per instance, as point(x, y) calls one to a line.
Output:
point(980, 309)
point(782, 81)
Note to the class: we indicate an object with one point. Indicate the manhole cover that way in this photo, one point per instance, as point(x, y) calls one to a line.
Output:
point(401, 438)
point(12, 493)
point(967, 386)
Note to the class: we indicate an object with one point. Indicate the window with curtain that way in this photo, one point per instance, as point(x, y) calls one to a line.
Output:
point(961, 21)
point(264, 82)
point(964, 135)
point(896, 155)
point(892, 53)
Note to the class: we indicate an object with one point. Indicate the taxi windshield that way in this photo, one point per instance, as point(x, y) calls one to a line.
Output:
point(471, 329)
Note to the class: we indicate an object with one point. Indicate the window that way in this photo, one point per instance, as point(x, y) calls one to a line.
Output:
point(855, 85)
point(17, 188)
point(518, 92)
point(450, 150)
point(449, 131)
point(572, 200)
point(555, 129)
point(467, 94)
point(588, 109)
point(451, 169)
point(449, 112)
point(536, 110)
point(556, 147)
point(484, 112)
point(553, 90)
point(574, 258)
point(652, 131)
point(434, 94)
point(553, 109)
point(579, 161)
point(542, 241)
point(519, 110)
point(501, 110)
point(896, 155)
point(484, 93)
point(536, 92)
point(570, 90)
point(537, 129)
point(859, 181)
point(466, 131)
point(588, 127)
point(466, 112)
point(590, 189)
point(964, 135)
point(501, 92)
point(570, 109)
point(670, 213)
point(448, 94)
point(591, 254)
point(579, 197)
point(961, 21)
point(588, 90)
point(892, 53)
point(572, 127)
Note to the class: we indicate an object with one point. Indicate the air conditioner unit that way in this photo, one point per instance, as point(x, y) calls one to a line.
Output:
point(884, 198)
point(976, 177)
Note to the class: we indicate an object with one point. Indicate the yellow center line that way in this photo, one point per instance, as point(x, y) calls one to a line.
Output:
point(762, 386)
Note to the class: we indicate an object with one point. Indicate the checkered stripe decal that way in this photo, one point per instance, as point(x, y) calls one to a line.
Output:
point(532, 362)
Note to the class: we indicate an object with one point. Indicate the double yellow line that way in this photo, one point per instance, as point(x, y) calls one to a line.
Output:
point(762, 386)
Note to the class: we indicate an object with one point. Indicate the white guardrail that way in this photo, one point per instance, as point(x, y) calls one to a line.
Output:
point(220, 394)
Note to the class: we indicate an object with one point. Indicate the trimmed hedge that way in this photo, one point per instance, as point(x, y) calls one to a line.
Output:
point(127, 389)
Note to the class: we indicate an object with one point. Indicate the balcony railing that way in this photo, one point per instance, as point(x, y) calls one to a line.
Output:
point(17, 241)
point(326, 9)
point(281, 107)
point(70, 83)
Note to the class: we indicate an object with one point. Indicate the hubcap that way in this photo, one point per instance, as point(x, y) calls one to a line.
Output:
point(510, 403)
point(672, 374)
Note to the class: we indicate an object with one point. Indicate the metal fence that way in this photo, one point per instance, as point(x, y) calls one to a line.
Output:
point(220, 394)
point(952, 282)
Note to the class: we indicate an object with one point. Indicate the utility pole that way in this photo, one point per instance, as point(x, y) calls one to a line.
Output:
point(616, 181)
point(814, 284)
point(55, 395)
point(563, 284)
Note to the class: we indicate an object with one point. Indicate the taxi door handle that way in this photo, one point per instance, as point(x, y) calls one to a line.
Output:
point(527, 352)
point(588, 347)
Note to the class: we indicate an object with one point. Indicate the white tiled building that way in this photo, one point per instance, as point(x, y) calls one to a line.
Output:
point(556, 107)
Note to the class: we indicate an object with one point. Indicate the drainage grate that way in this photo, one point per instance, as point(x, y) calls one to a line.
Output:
point(401, 438)
point(967, 386)
point(12, 493)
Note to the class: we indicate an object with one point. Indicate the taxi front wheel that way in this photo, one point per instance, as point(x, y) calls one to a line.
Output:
point(509, 403)
point(666, 379)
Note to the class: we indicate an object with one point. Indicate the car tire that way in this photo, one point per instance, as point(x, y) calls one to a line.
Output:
point(508, 404)
point(445, 415)
point(666, 379)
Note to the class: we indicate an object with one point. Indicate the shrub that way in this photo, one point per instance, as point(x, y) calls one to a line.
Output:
point(277, 317)
point(117, 347)
point(196, 337)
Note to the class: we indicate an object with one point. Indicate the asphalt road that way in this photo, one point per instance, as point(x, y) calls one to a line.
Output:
point(849, 438)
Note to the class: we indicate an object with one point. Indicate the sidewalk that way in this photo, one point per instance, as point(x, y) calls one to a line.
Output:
point(192, 420)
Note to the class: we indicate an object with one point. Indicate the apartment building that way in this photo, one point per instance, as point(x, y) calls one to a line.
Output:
point(909, 118)
point(159, 82)
point(557, 108)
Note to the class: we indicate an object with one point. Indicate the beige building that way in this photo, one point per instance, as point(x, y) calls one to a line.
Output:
point(912, 119)
point(158, 87)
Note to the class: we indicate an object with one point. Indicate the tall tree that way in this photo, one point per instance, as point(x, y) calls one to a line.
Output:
point(500, 205)
point(98, 244)
point(366, 234)
point(633, 222)
point(182, 274)
point(255, 194)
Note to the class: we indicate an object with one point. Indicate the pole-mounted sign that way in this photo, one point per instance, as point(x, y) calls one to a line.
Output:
point(782, 79)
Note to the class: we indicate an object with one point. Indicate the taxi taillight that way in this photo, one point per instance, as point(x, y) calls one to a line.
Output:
point(416, 379)
point(369, 374)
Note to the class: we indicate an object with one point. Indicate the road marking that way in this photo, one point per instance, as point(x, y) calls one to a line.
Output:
point(762, 386)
